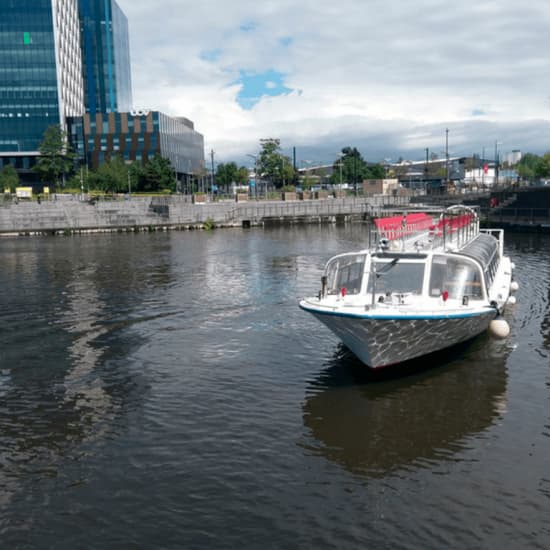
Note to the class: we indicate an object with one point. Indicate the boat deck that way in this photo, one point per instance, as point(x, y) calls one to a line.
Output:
point(418, 231)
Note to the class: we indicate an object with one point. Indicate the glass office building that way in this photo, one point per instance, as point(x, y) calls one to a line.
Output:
point(138, 136)
point(106, 57)
point(40, 73)
point(67, 63)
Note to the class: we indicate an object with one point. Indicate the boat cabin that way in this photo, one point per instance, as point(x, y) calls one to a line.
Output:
point(449, 260)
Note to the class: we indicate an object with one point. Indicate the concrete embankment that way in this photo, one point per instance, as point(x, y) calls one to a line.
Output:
point(70, 215)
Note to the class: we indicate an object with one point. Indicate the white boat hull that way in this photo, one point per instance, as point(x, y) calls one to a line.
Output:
point(382, 342)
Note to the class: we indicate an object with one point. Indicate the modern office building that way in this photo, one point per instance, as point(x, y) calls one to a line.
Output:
point(106, 57)
point(137, 136)
point(58, 59)
point(67, 63)
point(40, 74)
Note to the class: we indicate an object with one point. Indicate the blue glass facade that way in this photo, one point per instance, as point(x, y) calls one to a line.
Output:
point(123, 70)
point(28, 79)
point(106, 56)
point(60, 59)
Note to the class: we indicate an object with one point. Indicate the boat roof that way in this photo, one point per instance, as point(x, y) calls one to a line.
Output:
point(482, 248)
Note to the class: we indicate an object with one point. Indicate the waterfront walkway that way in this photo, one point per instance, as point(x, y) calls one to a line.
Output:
point(524, 209)
point(68, 215)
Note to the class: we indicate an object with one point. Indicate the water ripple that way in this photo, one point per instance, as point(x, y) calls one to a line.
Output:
point(166, 390)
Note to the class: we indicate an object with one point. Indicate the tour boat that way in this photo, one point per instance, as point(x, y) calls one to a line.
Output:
point(426, 283)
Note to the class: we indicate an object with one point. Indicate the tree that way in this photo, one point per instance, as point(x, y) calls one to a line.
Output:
point(157, 174)
point(111, 176)
point(273, 165)
point(528, 166)
point(56, 156)
point(229, 173)
point(287, 172)
point(543, 167)
point(376, 172)
point(354, 168)
point(9, 178)
point(242, 175)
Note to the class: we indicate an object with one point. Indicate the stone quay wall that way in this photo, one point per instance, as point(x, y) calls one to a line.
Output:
point(66, 215)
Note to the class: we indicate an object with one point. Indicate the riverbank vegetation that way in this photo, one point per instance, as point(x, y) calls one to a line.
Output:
point(59, 168)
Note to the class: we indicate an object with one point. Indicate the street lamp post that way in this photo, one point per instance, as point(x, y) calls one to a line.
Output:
point(255, 172)
point(340, 155)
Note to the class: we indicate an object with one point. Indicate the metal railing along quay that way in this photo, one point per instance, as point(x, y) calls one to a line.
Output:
point(259, 211)
point(518, 216)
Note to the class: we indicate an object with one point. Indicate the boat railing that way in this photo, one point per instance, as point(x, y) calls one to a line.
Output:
point(456, 226)
point(498, 234)
point(403, 228)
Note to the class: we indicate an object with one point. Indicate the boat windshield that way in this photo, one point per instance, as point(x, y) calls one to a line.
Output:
point(397, 275)
point(459, 277)
point(345, 272)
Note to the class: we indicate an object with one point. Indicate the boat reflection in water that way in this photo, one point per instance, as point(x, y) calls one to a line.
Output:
point(377, 423)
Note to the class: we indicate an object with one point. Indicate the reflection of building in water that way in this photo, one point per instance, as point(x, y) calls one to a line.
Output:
point(82, 314)
point(65, 401)
point(378, 427)
point(66, 346)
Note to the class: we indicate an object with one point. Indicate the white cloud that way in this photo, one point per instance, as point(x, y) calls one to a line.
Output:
point(386, 75)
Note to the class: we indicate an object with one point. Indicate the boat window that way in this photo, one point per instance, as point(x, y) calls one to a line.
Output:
point(458, 277)
point(397, 276)
point(345, 272)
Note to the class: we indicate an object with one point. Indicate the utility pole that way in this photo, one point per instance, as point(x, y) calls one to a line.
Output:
point(176, 173)
point(483, 167)
point(426, 170)
point(355, 173)
point(212, 162)
point(255, 157)
point(447, 154)
point(496, 163)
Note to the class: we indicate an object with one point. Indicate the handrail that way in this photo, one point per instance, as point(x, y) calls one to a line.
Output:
point(458, 224)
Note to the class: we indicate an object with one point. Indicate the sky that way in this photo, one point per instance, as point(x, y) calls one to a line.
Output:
point(386, 76)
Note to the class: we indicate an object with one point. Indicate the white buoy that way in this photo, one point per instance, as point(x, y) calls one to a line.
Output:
point(499, 328)
point(513, 265)
point(514, 286)
point(512, 300)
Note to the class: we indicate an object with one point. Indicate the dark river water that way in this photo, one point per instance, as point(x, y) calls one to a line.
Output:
point(165, 391)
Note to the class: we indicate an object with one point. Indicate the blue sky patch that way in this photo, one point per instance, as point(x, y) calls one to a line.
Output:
point(248, 25)
point(478, 112)
point(255, 86)
point(211, 55)
point(286, 41)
